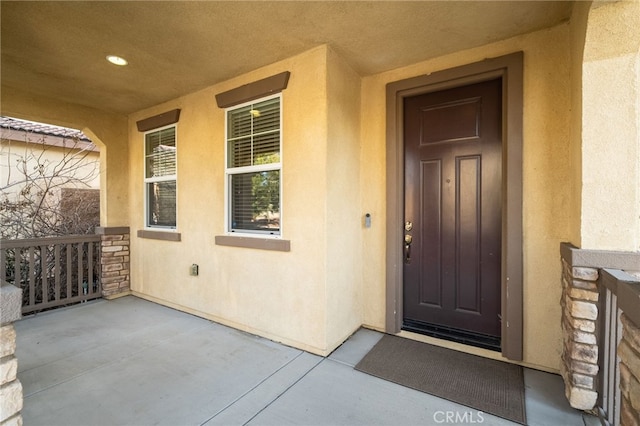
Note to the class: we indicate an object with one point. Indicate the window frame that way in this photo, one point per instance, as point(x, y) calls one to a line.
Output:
point(166, 178)
point(230, 171)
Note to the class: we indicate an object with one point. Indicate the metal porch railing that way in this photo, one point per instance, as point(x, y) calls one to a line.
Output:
point(52, 271)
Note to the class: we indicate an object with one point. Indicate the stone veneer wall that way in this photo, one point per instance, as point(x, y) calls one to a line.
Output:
point(629, 353)
point(115, 261)
point(579, 366)
point(11, 398)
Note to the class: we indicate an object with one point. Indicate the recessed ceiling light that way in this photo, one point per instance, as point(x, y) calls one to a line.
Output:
point(117, 60)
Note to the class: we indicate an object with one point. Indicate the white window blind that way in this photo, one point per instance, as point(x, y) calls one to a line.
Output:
point(253, 167)
point(160, 177)
point(254, 134)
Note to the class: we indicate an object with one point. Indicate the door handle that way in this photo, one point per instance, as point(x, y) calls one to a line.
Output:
point(407, 248)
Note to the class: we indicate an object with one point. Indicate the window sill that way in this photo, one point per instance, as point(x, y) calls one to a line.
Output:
point(255, 243)
point(159, 235)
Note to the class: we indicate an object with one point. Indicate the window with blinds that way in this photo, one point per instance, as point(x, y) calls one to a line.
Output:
point(160, 177)
point(253, 167)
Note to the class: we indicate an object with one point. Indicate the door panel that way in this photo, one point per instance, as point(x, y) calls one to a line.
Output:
point(464, 112)
point(453, 186)
point(430, 291)
point(468, 231)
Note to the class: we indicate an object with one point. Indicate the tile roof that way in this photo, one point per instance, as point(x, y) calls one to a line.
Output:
point(41, 128)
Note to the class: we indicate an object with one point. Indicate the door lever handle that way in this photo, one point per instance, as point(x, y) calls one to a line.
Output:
point(407, 248)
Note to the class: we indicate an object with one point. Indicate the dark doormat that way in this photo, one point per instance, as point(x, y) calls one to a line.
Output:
point(491, 386)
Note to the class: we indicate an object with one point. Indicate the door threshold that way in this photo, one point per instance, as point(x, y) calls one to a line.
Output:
point(478, 340)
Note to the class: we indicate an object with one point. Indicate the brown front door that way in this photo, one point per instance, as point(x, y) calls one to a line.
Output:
point(453, 214)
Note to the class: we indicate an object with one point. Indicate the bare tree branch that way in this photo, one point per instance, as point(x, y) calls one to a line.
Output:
point(45, 190)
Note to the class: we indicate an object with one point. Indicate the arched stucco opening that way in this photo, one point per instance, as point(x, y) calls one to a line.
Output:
point(107, 129)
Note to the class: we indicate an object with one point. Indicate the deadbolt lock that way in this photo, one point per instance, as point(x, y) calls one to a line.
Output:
point(408, 239)
point(408, 226)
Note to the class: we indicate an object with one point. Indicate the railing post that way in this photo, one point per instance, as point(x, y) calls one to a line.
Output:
point(114, 261)
point(11, 398)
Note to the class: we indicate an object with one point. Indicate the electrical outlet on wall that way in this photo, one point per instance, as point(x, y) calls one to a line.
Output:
point(194, 270)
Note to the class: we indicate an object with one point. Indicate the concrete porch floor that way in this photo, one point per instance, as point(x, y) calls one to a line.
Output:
point(132, 362)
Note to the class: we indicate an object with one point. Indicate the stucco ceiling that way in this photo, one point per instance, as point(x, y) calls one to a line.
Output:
point(58, 49)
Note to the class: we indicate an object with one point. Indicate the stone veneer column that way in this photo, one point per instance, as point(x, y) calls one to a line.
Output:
point(629, 353)
point(579, 366)
point(114, 261)
point(11, 398)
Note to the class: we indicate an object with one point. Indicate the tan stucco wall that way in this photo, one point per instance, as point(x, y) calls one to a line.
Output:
point(345, 225)
point(611, 128)
point(578, 29)
point(306, 297)
point(108, 131)
point(547, 196)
